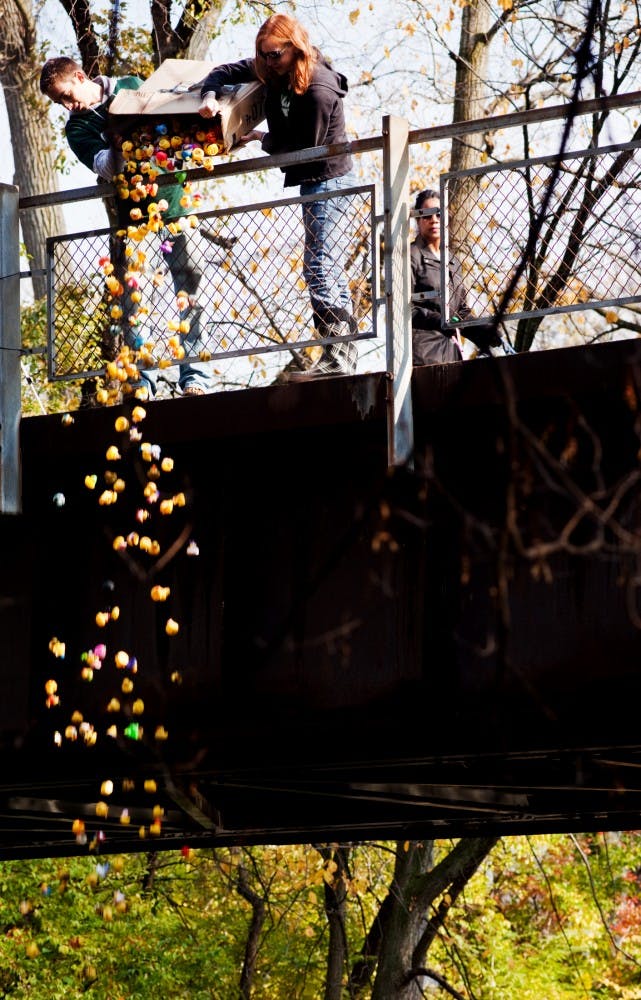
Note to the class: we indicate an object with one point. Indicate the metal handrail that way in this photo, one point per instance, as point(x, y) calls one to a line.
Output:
point(431, 134)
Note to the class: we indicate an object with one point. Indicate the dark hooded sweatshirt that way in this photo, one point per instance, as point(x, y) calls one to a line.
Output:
point(296, 121)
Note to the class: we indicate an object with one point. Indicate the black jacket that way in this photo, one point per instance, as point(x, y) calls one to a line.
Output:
point(426, 277)
point(296, 121)
point(431, 344)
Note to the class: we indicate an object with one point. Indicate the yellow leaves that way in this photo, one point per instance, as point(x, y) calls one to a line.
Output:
point(354, 15)
point(611, 316)
point(506, 5)
point(358, 885)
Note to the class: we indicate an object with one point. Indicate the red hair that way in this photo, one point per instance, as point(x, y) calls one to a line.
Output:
point(287, 30)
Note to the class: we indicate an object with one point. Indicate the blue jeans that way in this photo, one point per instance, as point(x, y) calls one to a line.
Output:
point(186, 277)
point(326, 246)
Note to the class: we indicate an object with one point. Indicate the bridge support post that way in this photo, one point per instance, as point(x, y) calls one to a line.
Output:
point(10, 346)
point(398, 289)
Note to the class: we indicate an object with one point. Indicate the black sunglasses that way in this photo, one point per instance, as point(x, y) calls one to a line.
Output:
point(275, 54)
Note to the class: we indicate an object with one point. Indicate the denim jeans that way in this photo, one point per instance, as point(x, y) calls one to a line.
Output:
point(326, 247)
point(186, 277)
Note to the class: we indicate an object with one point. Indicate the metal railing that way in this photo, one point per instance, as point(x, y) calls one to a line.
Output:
point(583, 251)
point(251, 293)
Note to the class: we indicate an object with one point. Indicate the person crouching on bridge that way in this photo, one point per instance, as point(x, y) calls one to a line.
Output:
point(431, 344)
point(87, 100)
point(304, 108)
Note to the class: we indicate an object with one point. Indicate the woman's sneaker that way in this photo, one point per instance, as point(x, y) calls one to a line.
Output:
point(336, 359)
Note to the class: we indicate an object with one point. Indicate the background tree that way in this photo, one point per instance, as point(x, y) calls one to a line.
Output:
point(34, 142)
point(556, 916)
point(470, 99)
point(415, 911)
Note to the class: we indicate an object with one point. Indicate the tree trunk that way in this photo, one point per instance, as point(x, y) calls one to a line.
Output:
point(335, 896)
point(149, 877)
point(417, 908)
point(470, 94)
point(201, 37)
point(258, 905)
point(400, 933)
point(191, 36)
point(33, 135)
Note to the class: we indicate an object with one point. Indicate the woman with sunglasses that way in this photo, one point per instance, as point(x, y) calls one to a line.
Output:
point(431, 344)
point(304, 108)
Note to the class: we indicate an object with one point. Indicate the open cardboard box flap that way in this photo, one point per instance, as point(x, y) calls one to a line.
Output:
point(174, 89)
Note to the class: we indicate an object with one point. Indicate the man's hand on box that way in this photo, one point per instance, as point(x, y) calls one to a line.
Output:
point(209, 107)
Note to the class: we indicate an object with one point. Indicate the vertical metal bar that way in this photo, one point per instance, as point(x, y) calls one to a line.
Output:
point(445, 251)
point(398, 290)
point(51, 309)
point(10, 345)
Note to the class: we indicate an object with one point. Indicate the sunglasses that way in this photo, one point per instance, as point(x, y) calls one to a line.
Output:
point(275, 54)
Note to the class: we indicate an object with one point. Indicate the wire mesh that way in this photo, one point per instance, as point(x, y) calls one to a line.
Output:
point(251, 296)
point(571, 220)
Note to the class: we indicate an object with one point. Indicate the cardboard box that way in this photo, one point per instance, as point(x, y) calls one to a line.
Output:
point(174, 89)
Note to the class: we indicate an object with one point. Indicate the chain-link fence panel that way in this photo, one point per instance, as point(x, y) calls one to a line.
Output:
point(241, 270)
point(550, 234)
